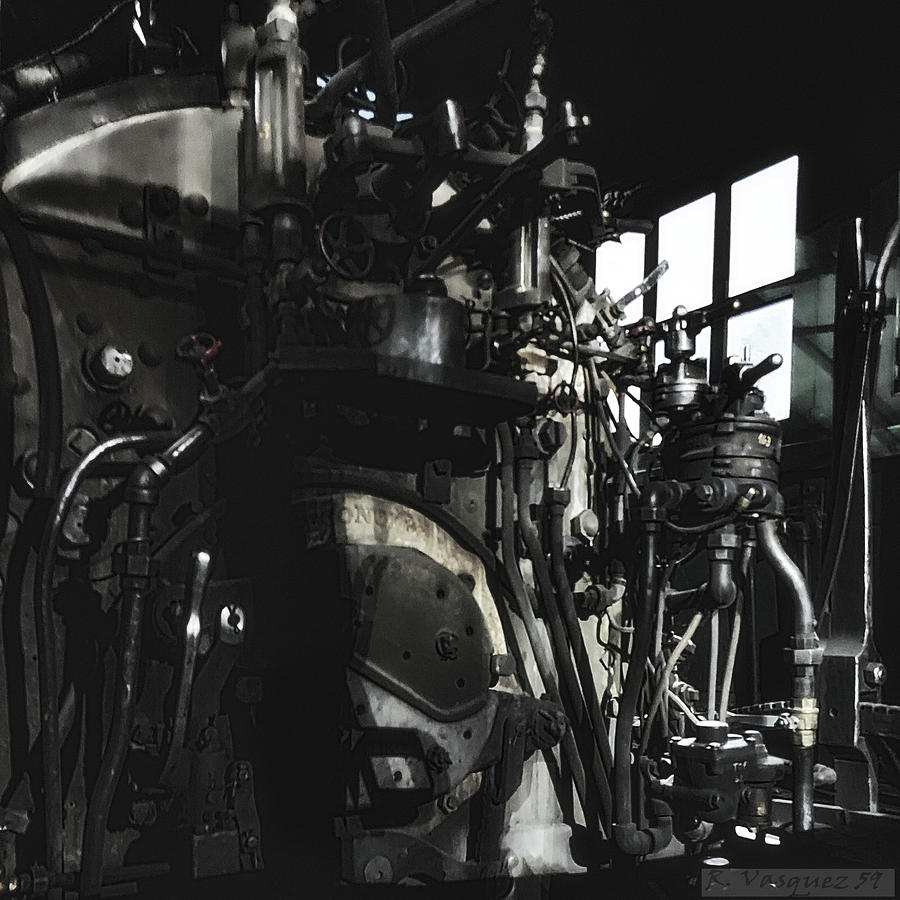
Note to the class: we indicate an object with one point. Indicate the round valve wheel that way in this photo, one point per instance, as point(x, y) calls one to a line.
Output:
point(346, 246)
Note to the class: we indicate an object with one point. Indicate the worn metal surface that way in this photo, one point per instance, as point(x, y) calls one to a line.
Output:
point(418, 630)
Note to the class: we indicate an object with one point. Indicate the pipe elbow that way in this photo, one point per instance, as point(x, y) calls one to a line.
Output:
point(721, 588)
point(629, 839)
point(145, 482)
point(636, 841)
point(663, 494)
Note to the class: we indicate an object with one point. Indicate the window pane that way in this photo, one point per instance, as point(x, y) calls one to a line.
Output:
point(620, 267)
point(686, 241)
point(763, 227)
point(765, 331)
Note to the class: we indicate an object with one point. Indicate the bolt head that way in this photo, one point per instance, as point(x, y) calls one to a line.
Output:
point(875, 674)
point(586, 525)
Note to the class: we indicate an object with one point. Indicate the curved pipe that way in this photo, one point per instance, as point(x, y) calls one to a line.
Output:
point(879, 276)
point(142, 494)
point(721, 588)
point(48, 677)
point(46, 351)
point(788, 573)
point(790, 576)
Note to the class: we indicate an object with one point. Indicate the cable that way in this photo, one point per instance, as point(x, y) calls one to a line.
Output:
point(700, 529)
point(71, 42)
point(663, 683)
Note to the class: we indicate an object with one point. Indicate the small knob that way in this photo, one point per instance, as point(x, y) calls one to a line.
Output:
point(110, 367)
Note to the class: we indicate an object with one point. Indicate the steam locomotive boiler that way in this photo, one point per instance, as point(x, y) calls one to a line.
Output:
point(325, 531)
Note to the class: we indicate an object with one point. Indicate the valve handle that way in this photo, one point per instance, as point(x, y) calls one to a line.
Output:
point(750, 376)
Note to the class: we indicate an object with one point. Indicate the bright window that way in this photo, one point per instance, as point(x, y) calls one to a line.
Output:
point(686, 241)
point(763, 227)
point(759, 333)
point(620, 267)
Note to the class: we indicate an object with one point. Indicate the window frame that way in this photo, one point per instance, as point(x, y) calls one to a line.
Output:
point(723, 306)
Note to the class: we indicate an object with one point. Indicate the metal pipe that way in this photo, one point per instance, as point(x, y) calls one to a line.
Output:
point(526, 612)
point(576, 638)
point(200, 575)
point(573, 701)
point(324, 103)
point(382, 66)
point(805, 643)
point(142, 493)
point(663, 682)
point(789, 574)
point(879, 276)
point(48, 651)
point(133, 599)
point(713, 677)
point(628, 838)
point(735, 634)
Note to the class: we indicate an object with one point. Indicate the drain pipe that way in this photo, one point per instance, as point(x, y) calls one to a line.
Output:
point(805, 654)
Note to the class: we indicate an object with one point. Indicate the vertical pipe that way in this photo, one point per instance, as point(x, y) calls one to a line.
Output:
point(526, 612)
point(626, 836)
point(713, 664)
point(575, 707)
point(804, 693)
point(132, 604)
point(576, 638)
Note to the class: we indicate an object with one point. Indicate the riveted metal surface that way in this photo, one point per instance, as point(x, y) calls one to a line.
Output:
point(418, 631)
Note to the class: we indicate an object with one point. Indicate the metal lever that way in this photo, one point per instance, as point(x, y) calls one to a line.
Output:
point(750, 376)
point(200, 575)
point(647, 284)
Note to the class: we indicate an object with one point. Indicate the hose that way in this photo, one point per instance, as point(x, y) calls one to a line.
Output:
point(572, 699)
point(47, 650)
point(46, 351)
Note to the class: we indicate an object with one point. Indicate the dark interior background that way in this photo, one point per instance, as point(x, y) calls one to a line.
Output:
point(681, 97)
point(677, 93)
